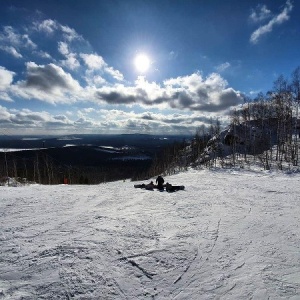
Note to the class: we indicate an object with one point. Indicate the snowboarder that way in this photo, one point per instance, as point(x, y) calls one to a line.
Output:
point(160, 182)
point(169, 187)
point(173, 188)
point(149, 186)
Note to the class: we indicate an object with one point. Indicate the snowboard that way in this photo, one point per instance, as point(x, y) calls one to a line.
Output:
point(175, 188)
point(139, 186)
point(144, 186)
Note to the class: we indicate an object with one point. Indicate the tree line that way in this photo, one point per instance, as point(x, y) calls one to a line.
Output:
point(265, 129)
point(46, 167)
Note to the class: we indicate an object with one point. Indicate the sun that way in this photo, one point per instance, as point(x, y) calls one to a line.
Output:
point(142, 63)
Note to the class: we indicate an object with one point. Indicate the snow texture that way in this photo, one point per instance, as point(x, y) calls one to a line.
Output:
point(228, 235)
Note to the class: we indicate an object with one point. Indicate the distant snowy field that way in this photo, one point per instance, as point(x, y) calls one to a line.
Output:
point(229, 235)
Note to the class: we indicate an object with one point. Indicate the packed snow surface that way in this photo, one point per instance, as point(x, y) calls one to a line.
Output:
point(228, 235)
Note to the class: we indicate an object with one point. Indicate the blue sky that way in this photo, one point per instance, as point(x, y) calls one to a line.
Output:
point(69, 66)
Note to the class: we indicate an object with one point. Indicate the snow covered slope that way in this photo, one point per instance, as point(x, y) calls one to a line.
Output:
point(229, 235)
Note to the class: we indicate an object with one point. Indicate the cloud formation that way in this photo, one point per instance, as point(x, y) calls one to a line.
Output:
point(96, 62)
point(6, 79)
point(260, 13)
point(192, 92)
point(276, 20)
point(13, 42)
point(106, 121)
point(90, 120)
point(65, 70)
point(98, 82)
point(52, 27)
point(49, 83)
point(222, 67)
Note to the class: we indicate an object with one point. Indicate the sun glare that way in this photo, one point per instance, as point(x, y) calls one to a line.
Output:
point(142, 63)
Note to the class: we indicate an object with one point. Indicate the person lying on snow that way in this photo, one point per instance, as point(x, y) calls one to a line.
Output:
point(151, 186)
point(173, 188)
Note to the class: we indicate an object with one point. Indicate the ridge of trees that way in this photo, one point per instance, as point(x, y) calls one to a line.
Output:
point(265, 131)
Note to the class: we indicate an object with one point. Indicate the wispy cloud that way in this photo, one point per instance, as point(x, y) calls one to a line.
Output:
point(12, 41)
point(223, 67)
point(93, 61)
point(276, 20)
point(96, 62)
point(260, 13)
point(48, 26)
point(71, 61)
point(11, 50)
point(173, 55)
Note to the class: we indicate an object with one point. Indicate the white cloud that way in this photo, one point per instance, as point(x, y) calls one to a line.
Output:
point(51, 27)
point(97, 80)
point(5, 97)
point(103, 120)
point(28, 42)
point(48, 83)
point(93, 61)
point(97, 70)
point(69, 33)
point(9, 35)
point(11, 50)
point(6, 78)
point(259, 14)
point(71, 61)
point(63, 48)
point(12, 42)
point(88, 110)
point(33, 121)
point(48, 26)
point(42, 54)
point(192, 92)
point(4, 115)
point(96, 62)
point(150, 121)
point(276, 20)
point(114, 73)
point(223, 67)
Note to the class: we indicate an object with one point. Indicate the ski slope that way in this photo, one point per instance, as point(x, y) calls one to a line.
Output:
point(228, 235)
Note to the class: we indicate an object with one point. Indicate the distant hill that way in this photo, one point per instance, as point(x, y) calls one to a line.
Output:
point(80, 158)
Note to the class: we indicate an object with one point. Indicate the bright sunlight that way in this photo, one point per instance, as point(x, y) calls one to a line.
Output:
point(142, 63)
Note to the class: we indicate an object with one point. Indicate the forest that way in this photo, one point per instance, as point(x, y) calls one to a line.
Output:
point(264, 131)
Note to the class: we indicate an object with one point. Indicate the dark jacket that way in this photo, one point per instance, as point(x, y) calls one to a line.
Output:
point(160, 181)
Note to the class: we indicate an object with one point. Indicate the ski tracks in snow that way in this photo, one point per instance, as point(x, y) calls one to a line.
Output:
point(227, 236)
